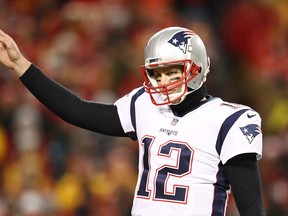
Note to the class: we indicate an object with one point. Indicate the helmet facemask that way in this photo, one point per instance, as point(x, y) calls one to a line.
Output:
point(170, 92)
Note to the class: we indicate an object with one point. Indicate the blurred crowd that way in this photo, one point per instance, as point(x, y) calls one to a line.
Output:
point(95, 48)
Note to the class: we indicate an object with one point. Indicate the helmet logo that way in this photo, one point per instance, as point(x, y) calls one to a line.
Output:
point(180, 40)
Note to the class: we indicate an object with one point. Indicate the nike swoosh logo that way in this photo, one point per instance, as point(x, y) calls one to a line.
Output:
point(250, 116)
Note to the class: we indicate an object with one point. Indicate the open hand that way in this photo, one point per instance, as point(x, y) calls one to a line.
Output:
point(10, 55)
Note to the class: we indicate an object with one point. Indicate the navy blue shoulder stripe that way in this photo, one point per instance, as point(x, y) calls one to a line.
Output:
point(225, 127)
point(133, 135)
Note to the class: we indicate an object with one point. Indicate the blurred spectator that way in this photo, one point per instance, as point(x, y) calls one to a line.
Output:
point(95, 48)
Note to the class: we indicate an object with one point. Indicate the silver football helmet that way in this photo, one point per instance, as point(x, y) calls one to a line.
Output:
point(175, 46)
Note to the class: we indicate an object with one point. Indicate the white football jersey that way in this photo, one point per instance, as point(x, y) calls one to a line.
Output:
point(181, 157)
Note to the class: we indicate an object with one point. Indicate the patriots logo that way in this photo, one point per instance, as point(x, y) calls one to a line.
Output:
point(251, 131)
point(180, 40)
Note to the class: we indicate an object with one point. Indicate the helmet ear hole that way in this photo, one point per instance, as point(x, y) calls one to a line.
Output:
point(150, 72)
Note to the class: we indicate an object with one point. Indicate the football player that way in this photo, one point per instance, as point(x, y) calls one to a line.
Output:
point(193, 148)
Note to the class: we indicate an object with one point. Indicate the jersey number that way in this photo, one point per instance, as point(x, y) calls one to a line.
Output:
point(163, 173)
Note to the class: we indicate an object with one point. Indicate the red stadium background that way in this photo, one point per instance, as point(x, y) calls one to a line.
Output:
point(50, 168)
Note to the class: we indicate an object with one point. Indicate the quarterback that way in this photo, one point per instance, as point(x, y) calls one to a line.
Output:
point(193, 148)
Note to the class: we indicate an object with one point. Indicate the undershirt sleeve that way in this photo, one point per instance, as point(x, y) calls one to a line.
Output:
point(97, 117)
point(244, 178)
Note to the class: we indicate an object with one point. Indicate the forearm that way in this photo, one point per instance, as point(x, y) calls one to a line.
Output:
point(97, 117)
point(245, 181)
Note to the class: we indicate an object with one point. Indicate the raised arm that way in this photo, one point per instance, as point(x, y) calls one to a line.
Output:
point(101, 118)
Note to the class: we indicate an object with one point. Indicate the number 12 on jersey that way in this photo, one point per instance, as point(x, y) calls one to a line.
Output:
point(181, 168)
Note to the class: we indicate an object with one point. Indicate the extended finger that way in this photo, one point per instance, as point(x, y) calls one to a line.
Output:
point(2, 45)
point(4, 38)
point(2, 34)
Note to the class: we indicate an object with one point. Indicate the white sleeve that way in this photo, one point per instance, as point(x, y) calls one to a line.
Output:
point(124, 111)
point(245, 136)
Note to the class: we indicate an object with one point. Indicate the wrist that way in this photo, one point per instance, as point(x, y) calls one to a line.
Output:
point(21, 66)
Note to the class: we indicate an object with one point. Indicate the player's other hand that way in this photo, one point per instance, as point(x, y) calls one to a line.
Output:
point(10, 55)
